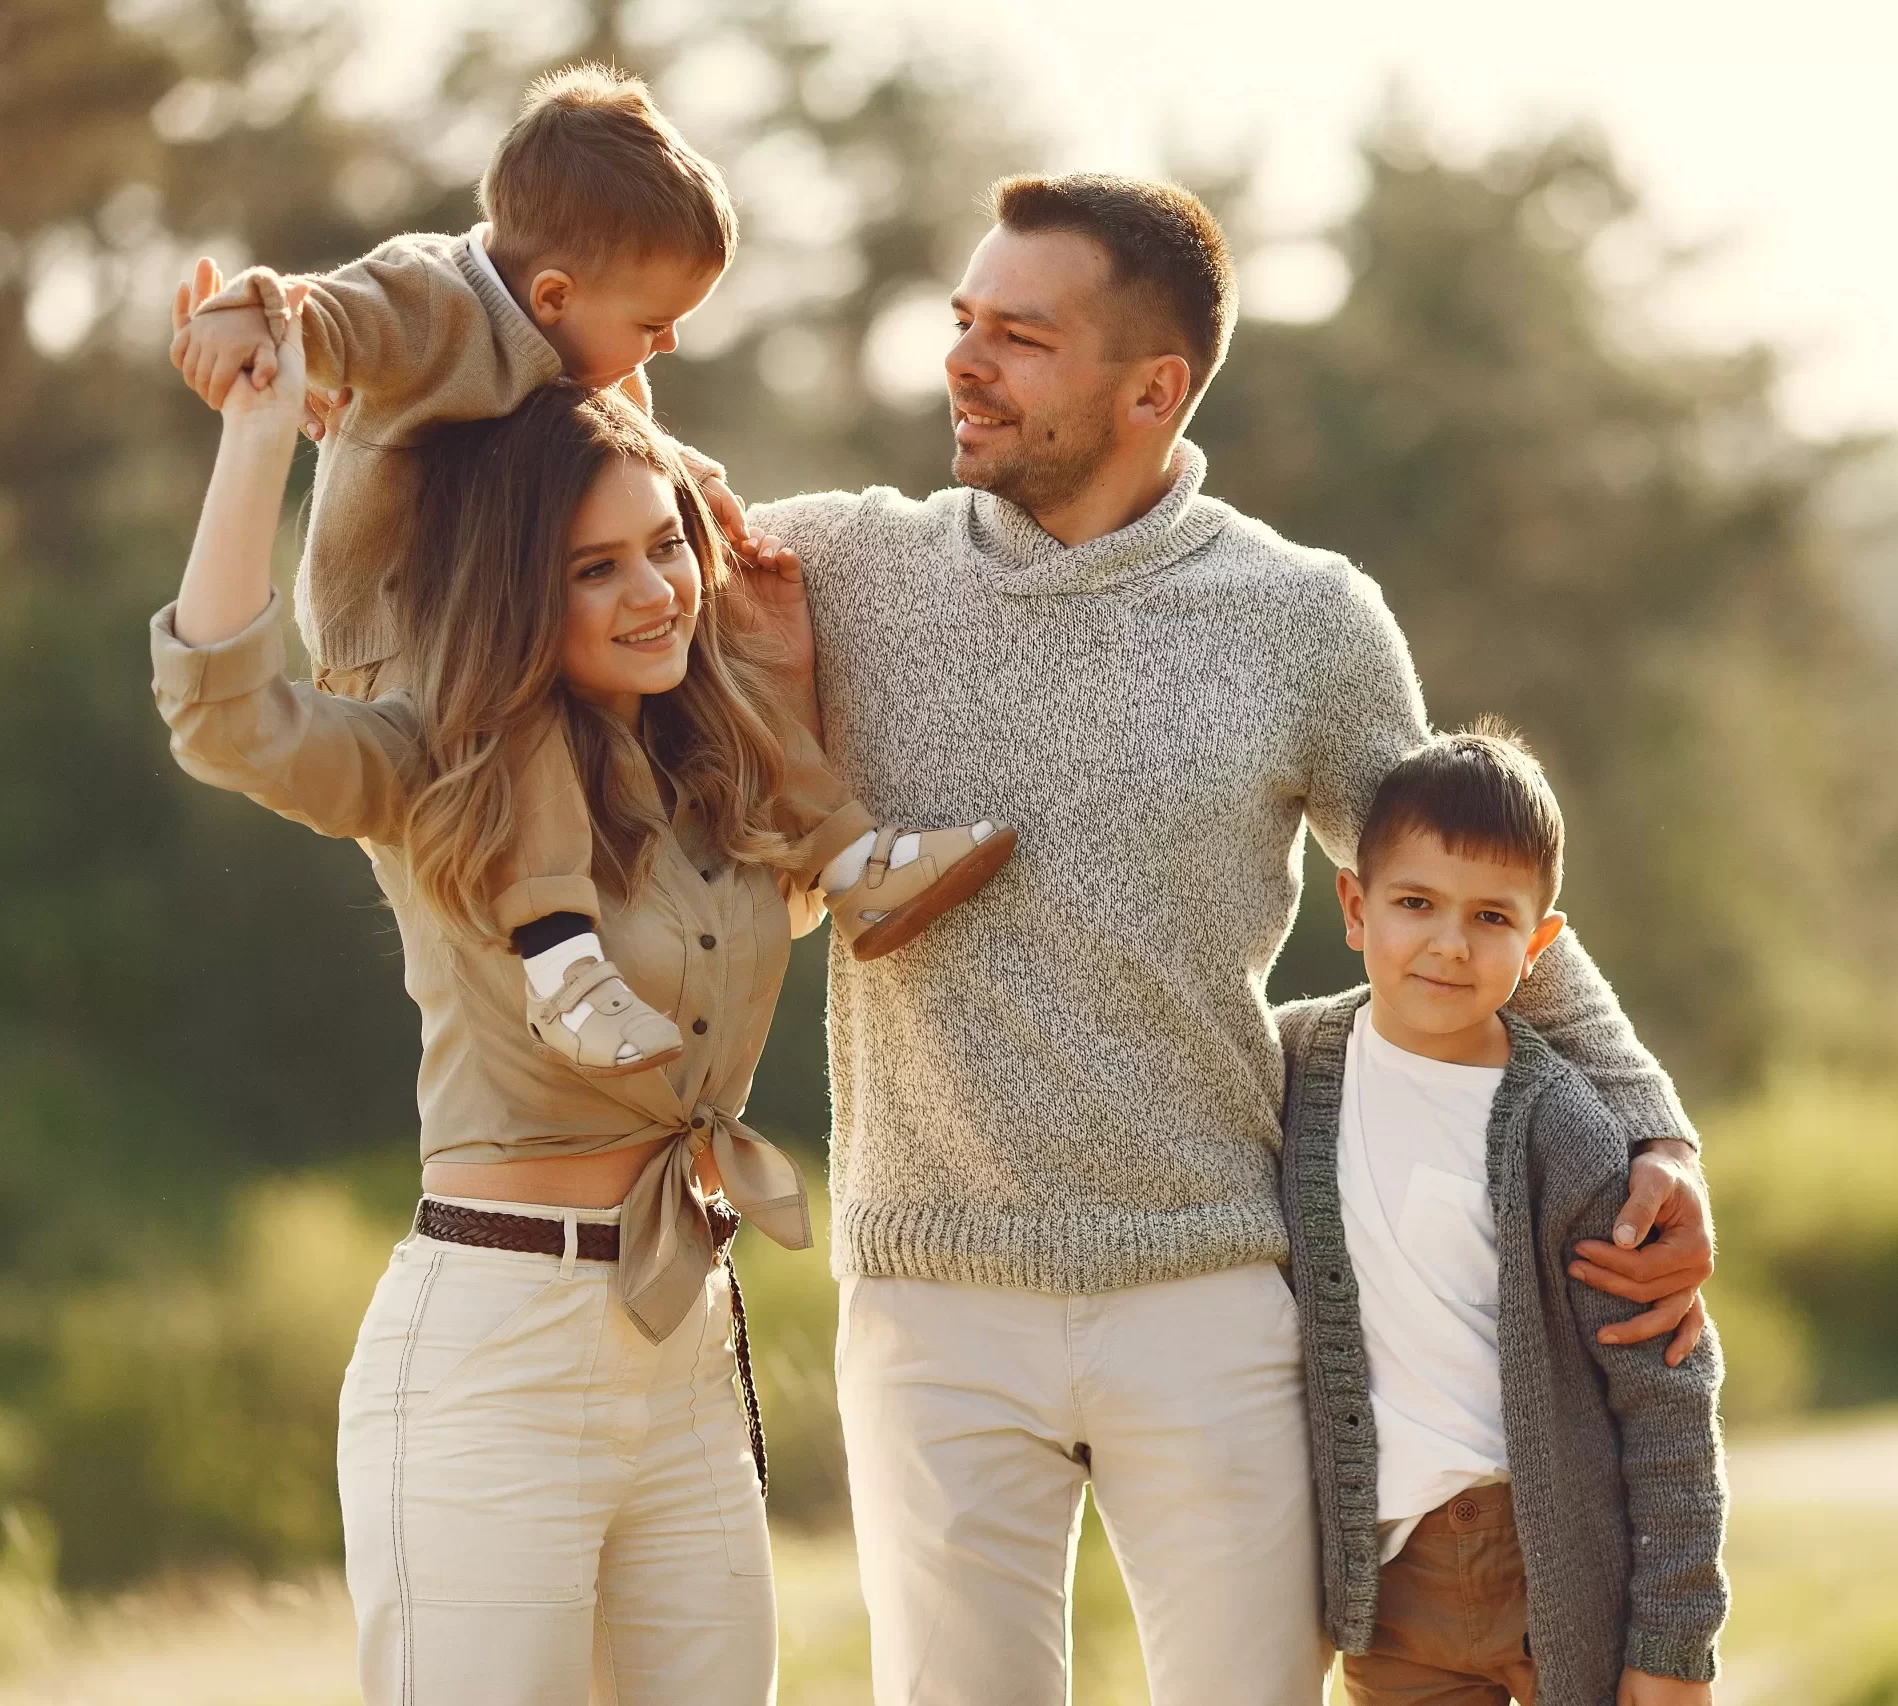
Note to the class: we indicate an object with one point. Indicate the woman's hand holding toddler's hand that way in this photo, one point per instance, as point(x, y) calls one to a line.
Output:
point(1639, 1688)
point(223, 364)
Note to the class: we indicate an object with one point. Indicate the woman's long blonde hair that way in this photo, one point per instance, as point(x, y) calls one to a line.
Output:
point(481, 602)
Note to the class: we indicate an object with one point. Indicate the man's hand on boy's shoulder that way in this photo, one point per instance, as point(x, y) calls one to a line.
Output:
point(212, 344)
point(1666, 1196)
point(1641, 1688)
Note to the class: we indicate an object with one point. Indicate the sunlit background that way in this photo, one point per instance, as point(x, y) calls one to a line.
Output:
point(1574, 328)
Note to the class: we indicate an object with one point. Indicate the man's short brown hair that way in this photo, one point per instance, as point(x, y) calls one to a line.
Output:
point(1481, 792)
point(1167, 251)
point(592, 172)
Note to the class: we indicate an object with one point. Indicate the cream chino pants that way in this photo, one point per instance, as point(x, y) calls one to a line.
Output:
point(540, 1506)
point(974, 1416)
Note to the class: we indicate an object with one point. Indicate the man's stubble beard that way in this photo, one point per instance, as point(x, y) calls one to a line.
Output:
point(1055, 458)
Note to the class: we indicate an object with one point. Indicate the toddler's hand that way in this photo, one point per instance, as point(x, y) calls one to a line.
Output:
point(1639, 1688)
point(727, 510)
point(212, 349)
point(775, 579)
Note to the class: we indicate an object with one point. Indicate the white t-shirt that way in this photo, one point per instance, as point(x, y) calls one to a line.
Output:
point(1413, 1182)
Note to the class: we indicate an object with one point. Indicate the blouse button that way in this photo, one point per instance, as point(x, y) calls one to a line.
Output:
point(700, 1027)
point(708, 941)
point(698, 1122)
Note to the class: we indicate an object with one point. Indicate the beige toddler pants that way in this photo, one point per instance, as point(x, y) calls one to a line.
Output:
point(975, 1415)
point(538, 1503)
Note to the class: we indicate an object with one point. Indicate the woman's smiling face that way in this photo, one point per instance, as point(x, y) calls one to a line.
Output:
point(633, 589)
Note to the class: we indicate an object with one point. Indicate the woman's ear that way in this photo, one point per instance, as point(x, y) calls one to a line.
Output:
point(1351, 901)
point(549, 296)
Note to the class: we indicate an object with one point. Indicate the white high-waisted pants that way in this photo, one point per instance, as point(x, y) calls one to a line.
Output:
point(537, 1501)
point(973, 1416)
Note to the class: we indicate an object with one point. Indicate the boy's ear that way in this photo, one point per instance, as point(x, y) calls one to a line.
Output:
point(549, 295)
point(1545, 933)
point(1351, 901)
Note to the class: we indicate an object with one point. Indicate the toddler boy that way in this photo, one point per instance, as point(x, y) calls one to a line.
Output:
point(1508, 1507)
point(604, 229)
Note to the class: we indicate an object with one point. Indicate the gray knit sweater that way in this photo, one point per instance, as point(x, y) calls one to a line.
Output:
point(1072, 1083)
point(1615, 1458)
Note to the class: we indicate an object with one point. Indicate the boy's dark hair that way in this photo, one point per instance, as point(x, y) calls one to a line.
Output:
point(1170, 257)
point(1480, 791)
point(592, 172)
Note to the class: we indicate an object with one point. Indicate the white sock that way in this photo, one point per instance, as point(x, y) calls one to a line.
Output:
point(846, 870)
point(546, 971)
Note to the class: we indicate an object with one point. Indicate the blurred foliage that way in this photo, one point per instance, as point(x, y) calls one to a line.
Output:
point(1606, 538)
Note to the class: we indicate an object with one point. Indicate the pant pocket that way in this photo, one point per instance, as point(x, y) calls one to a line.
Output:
point(486, 1496)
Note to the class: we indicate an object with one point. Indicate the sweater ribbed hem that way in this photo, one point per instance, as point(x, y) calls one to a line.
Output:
point(1681, 1657)
point(1086, 1250)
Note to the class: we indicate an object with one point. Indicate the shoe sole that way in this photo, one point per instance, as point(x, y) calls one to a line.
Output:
point(645, 1063)
point(955, 886)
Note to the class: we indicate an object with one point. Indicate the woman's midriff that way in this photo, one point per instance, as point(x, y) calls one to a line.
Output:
point(559, 1181)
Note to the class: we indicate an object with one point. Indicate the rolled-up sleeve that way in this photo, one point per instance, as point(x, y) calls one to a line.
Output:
point(340, 766)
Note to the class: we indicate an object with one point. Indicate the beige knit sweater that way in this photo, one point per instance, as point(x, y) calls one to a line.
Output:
point(1072, 1082)
point(420, 333)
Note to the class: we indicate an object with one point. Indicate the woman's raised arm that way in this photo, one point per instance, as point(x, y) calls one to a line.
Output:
point(340, 766)
point(227, 581)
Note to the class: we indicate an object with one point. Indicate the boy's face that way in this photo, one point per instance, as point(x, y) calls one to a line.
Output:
point(1446, 937)
point(606, 324)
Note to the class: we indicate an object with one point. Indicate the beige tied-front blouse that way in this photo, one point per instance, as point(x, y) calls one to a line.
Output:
point(704, 940)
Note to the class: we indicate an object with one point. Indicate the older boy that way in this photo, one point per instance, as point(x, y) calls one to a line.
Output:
point(1507, 1506)
point(604, 230)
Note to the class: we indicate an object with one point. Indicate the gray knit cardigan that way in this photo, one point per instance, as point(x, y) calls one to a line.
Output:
point(1619, 1489)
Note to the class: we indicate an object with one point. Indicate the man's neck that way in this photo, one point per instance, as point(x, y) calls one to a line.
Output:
point(1119, 495)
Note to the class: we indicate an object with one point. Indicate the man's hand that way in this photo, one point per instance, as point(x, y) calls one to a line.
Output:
point(724, 503)
point(1639, 1688)
point(211, 350)
point(1666, 1194)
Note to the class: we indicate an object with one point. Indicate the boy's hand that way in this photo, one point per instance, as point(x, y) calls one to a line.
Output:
point(724, 503)
point(212, 349)
point(1639, 1688)
point(1665, 1193)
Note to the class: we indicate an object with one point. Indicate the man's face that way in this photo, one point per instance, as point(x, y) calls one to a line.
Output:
point(1033, 386)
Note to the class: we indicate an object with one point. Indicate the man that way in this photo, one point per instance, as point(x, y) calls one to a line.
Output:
point(1055, 1152)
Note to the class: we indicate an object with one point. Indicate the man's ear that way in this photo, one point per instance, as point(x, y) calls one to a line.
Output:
point(1168, 381)
point(549, 295)
point(1351, 901)
point(1545, 934)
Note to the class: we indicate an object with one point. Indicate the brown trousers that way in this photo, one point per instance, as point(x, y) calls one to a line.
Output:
point(550, 866)
point(1452, 1614)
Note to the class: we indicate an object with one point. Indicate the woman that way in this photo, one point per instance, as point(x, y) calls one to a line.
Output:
point(547, 1481)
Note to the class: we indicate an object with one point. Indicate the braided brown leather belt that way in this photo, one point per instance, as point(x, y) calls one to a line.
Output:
point(598, 1241)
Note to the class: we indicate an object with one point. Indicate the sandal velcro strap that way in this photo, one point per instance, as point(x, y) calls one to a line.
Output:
point(583, 977)
point(877, 866)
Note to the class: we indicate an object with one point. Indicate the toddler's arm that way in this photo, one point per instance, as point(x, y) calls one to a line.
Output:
point(383, 326)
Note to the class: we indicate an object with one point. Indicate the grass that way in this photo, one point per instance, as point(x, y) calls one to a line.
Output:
point(1813, 1554)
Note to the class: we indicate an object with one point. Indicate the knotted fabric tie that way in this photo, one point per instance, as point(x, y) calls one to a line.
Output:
point(666, 1244)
